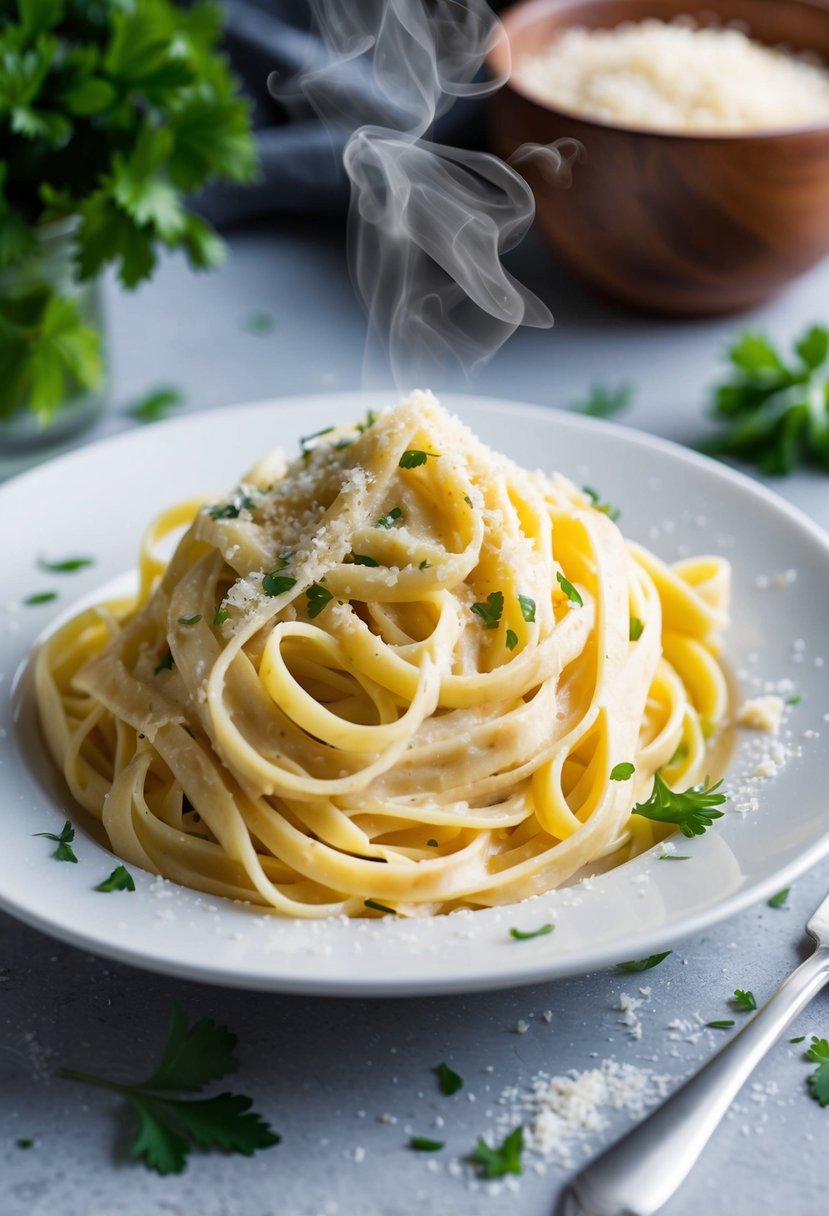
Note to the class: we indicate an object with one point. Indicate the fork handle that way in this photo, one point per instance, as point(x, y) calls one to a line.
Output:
point(638, 1174)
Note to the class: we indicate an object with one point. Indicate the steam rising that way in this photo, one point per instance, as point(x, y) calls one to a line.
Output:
point(428, 225)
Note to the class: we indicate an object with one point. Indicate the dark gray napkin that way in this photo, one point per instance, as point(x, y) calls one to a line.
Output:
point(301, 158)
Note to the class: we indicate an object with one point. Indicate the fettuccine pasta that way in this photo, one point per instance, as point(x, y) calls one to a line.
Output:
point(396, 669)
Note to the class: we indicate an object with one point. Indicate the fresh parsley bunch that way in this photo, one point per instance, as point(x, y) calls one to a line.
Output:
point(777, 409)
point(111, 111)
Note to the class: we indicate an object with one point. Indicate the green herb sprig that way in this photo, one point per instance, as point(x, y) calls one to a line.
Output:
point(604, 402)
point(64, 851)
point(111, 113)
point(119, 880)
point(505, 1158)
point(169, 1127)
point(776, 408)
point(644, 964)
point(693, 810)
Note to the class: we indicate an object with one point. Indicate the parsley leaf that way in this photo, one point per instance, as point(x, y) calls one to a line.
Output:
point(490, 612)
point(449, 1081)
point(505, 1158)
point(170, 1127)
point(776, 410)
point(64, 850)
point(421, 1144)
point(693, 810)
point(527, 606)
point(190, 620)
point(412, 458)
point(522, 935)
point(744, 1001)
point(219, 617)
point(819, 1079)
point(387, 520)
point(157, 404)
point(41, 597)
point(511, 639)
point(644, 964)
point(362, 559)
point(779, 900)
point(277, 584)
point(622, 772)
point(721, 1024)
point(318, 598)
point(378, 907)
point(69, 565)
point(569, 590)
point(603, 402)
point(119, 880)
point(636, 628)
point(613, 513)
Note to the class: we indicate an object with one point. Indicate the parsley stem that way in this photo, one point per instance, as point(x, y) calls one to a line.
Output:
point(70, 1074)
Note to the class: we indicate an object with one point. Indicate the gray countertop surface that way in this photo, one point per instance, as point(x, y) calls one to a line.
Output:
point(346, 1082)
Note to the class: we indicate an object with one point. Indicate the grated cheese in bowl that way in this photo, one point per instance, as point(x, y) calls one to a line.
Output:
point(677, 76)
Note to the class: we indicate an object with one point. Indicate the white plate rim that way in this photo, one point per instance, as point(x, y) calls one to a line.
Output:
point(529, 966)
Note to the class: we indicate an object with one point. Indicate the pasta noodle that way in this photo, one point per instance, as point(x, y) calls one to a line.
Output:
point(396, 669)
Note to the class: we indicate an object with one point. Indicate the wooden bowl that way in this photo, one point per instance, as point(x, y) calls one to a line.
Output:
point(667, 221)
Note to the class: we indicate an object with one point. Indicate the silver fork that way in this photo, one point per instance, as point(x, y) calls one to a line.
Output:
point(638, 1174)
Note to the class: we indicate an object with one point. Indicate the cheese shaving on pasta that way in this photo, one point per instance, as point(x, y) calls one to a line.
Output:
point(397, 669)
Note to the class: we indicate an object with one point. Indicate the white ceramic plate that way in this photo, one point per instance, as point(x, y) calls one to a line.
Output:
point(97, 501)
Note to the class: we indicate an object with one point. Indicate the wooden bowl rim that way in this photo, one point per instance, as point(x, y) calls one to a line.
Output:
point(522, 11)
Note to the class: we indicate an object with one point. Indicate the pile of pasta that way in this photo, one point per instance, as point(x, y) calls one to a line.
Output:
point(394, 672)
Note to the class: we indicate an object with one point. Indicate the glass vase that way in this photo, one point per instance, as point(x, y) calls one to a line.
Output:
point(50, 266)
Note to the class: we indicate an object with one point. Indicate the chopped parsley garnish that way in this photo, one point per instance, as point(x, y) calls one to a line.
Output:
point(421, 1144)
point(644, 964)
point(424, 565)
point(779, 900)
point(505, 1158)
point(819, 1079)
point(119, 880)
point(603, 402)
point(569, 590)
point(277, 584)
point(776, 410)
point(69, 565)
point(156, 405)
point(795, 700)
point(674, 857)
point(467, 500)
point(342, 444)
point(166, 663)
point(743, 1000)
point(258, 324)
point(190, 620)
point(432, 844)
point(722, 1024)
point(230, 510)
point(511, 639)
point(371, 418)
point(169, 1127)
point(378, 907)
point(388, 520)
point(412, 458)
point(522, 935)
point(318, 597)
point(41, 597)
point(25, 1142)
point(621, 772)
point(798, 1038)
point(636, 628)
point(306, 439)
point(490, 612)
point(693, 810)
point(449, 1081)
point(362, 559)
point(527, 606)
point(64, 840)
point(220, 616)
point(613, 513)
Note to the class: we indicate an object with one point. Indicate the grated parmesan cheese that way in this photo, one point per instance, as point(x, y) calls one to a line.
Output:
point(762, 713)
point(678, 76)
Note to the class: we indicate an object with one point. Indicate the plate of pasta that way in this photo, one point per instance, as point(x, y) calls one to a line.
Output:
point(348, 694)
